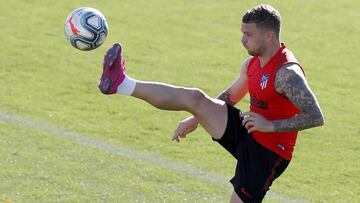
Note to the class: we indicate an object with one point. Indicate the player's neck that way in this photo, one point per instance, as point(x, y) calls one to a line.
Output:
point(269, 52)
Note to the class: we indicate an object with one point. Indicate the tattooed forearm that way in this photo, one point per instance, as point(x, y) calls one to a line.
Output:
point(226, 98)
point(299, 122)
point(291, 83)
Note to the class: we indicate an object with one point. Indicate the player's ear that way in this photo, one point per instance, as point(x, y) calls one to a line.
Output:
point(269, 35)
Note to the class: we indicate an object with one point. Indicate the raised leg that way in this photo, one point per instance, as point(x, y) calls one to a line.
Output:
point(211, 113)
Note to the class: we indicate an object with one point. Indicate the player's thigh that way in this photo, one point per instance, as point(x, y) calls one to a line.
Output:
point(235, 198)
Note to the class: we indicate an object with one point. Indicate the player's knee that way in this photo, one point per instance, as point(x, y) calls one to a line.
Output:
point(197, 96)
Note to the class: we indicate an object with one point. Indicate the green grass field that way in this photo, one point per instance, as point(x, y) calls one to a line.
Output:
point(48, 90)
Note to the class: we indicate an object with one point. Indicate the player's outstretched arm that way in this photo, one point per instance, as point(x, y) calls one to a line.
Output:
point(291, 82)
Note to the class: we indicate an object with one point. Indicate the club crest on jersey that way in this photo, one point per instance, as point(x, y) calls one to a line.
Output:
point(264, 80)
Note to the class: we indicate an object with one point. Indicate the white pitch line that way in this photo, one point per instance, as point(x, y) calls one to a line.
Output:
point(123, 151)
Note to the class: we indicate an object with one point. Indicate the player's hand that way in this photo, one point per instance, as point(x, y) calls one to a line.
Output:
point(255, 122)
point(185, 127)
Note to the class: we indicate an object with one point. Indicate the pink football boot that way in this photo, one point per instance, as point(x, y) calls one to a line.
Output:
point(113, 70)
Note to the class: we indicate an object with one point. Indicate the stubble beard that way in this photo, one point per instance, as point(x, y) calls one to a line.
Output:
point(257, 52)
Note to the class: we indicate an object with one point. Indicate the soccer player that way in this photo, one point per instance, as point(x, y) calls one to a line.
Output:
point(281, 104)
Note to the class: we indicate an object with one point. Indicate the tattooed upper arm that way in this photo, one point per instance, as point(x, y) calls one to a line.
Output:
point(290, 82)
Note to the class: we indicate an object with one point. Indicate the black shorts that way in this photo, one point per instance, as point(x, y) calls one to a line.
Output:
point(257, 167)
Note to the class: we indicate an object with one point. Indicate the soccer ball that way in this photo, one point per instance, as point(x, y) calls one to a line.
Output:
point(86, 28)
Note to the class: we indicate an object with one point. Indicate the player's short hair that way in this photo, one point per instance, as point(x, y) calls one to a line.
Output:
point(264, 16)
